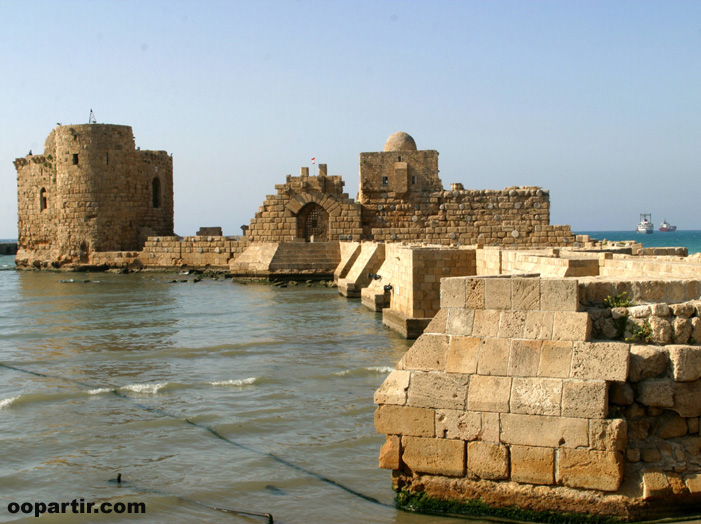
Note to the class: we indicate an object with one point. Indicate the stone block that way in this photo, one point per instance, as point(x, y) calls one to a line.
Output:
point(646, 362)
point(525, 294)
point(671, 425)
point(524, 358)
point(681, 330)
point(463, 355)
point(608, 434)
point(474, 293)
point(489, 393)
point(555, 359)
point(436, 390)
point(656, 393)
point(661, 330)
point(438, 323)
point(491, 427)
point(427, 354)
point(497, 293)
point(569, 325)
point(686, 398)
point(544, 431)
point(494, 356)
point(695, 331)
point(531, 465)
point(393, 389)
point(404, 420)
point(621, 394)
point(460, 322)
point(683, 310)
point(453, 292)
point(561, 294)
point(655, 484)
point(512, 324)
point(585, 399)
point(434, 456)
point(600, 361)
point(536, 396)
point(486, 323)
point(601, 470)
point(487, 460)
point(685, 362)
point(539, 325)
point(455, 424)
point(391, 452)
point(693, 483)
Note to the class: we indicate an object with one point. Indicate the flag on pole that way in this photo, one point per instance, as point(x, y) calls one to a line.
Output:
point(313, 160)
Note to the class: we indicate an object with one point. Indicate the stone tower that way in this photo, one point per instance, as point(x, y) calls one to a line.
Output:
point(91, 190)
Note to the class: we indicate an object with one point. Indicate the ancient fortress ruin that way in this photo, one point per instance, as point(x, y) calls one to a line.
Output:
point(552, 373)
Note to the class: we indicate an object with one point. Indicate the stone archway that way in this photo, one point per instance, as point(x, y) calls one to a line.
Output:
point(313, 223)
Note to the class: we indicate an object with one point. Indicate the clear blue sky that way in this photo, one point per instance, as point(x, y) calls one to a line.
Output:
point(598, 101)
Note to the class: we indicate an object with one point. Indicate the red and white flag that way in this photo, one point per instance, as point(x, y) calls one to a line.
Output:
point(313, 160)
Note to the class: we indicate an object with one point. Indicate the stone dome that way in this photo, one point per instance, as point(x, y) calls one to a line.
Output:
point(400, 141)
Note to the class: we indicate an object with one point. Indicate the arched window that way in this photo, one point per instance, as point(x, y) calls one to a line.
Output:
point(156, 192)
point(42, 199)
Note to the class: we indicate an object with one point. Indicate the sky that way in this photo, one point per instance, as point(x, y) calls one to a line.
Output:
point(597, 101)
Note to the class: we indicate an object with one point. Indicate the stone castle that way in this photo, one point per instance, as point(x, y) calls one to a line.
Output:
point(552, 372)
point(91, 191)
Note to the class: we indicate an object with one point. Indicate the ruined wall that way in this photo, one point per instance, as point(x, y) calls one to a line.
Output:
point(506, 399)
point(91, 191)
point(284, 217)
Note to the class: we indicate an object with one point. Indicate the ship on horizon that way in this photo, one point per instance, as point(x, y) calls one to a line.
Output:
point(645, 225)
point(666, 227)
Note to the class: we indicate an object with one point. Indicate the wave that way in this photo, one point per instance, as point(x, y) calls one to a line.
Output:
point(6, 402)
point(149, 389)
point(235, 382)
point(365, 371)
point(99, 391)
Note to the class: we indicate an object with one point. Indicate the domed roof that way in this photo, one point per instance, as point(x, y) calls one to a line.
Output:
point(400, 141)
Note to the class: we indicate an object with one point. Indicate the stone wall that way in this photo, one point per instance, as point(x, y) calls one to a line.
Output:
point(506, 399)
point(90, 191)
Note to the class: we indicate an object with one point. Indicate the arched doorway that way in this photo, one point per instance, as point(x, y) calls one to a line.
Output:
point(313, 223)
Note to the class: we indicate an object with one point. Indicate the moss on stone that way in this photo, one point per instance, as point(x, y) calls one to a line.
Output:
point(422, 503)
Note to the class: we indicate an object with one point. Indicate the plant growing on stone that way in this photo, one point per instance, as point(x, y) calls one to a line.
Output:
point(641, 332)
point(620, 300)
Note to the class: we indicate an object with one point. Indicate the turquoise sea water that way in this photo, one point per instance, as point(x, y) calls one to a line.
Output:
point(689, 239)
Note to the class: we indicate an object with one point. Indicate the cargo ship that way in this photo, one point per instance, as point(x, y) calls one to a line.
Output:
point(645, 225)
point(667, 227)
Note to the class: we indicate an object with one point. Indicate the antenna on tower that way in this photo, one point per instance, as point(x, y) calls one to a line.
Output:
point(92, 119)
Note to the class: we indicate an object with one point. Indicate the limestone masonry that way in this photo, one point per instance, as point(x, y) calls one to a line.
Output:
point(551, 373)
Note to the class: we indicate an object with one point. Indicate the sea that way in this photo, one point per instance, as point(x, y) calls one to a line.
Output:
point(690, 239)
point(211, 401)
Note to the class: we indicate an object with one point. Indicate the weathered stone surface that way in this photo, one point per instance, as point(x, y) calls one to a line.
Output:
point(491, 427)
point(455, 424)
point(602, 470)
point(559, 294)
point(460, 322)
point(651, 455)
point(544, 431)
point(497, 293)
point(655, 392)
point(655, 484)
point(474, 293)
point(494, 356)
point(660, 310)
point(661, 330)
point(436, 456)
point(486, 323)
point(681, 330)
point(683, 310)
point(525, 294)
point(438, 323)
point(695, 331)
point(463, 355)
point(524, 358)
point(686, 398)
point(393, 389)
point(487, 460)
point(390, 453)
point(539, 325)
point(532, 465)
point(608, 434)
point(672, 426)
point(427, 354)
point(488, 393)
point(555, 359)
point(621, 393)
point(404, 420)
point(569, 325)
point(646, 362)
point(639, 311)
point(693, 483)
point(512, 324)
point(693, 423)
point(685, 362)
point(433, 390)
point(600, 361)
point(536, 396)
point(585, 399)
point(453, 292)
